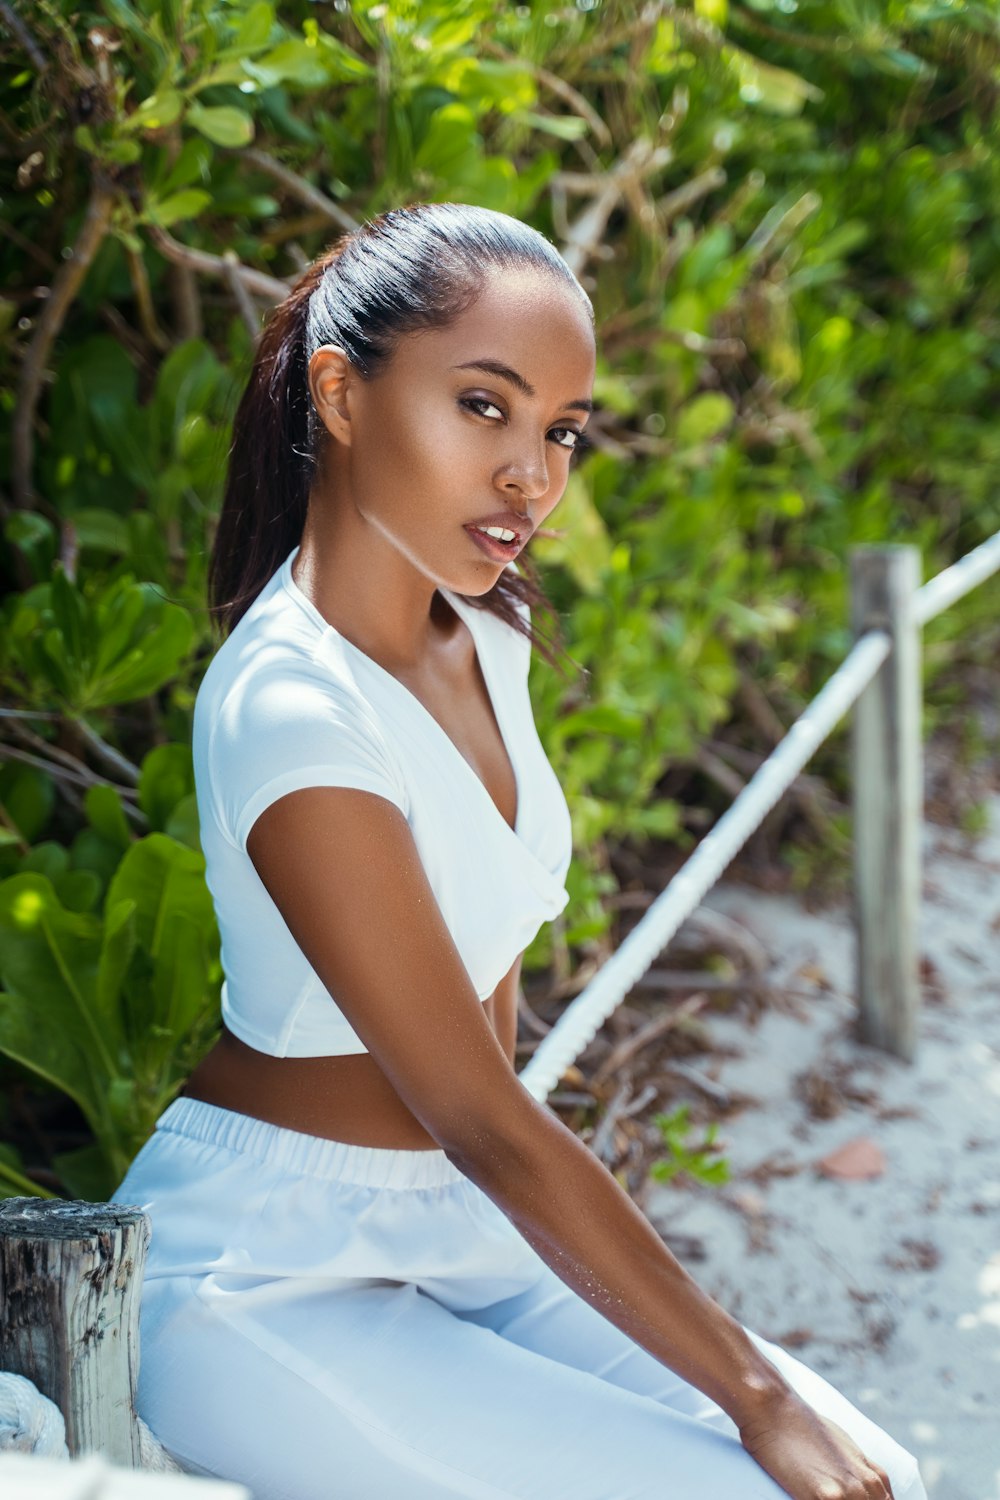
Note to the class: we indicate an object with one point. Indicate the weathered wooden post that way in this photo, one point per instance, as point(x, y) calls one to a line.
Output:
point(70, 1283)
point(887, 789)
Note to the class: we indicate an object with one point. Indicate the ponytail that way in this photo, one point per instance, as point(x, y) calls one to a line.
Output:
point(271, 459)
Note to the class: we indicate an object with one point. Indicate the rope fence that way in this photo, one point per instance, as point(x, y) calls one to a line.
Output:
point(881, 677)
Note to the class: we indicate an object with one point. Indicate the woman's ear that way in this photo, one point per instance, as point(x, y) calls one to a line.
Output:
point(331, 376)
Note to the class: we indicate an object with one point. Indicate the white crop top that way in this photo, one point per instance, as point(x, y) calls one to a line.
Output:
point(288, 702)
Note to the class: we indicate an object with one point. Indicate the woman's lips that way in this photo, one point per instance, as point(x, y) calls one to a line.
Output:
point(492, 546)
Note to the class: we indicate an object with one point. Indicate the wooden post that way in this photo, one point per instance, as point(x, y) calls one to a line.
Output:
point(887, 789)
point(70, 1283)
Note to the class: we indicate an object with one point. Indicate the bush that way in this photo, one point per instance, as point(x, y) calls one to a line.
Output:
point(787, 221)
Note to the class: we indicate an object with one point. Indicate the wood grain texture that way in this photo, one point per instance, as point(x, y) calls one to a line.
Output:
point(887, 782)
point(70, 1284)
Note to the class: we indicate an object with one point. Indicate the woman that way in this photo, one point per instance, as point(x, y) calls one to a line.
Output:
point(379, 1268)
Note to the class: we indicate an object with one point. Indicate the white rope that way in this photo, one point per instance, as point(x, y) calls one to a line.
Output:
point(153, 1455)
point(581, 1020)
point(973, 568)
point(29, 1421)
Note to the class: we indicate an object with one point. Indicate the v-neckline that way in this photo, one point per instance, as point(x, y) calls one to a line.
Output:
point(465, 613)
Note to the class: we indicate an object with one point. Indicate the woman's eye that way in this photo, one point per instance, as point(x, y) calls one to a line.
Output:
point(482, 407)
point(566, 437)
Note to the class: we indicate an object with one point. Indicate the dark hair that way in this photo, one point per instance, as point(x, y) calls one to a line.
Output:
point(408, 269)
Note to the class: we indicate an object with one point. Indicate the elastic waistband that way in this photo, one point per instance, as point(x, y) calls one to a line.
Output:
point(312, 1155)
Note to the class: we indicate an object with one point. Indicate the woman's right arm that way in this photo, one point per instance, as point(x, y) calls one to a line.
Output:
point(344, 871)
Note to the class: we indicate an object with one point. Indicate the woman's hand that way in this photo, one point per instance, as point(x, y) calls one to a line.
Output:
point(810, 1456)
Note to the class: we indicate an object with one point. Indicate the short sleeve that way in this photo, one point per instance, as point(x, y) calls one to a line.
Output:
point(282, 730)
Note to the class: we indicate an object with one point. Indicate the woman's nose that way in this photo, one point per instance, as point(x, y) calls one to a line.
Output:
point(527, 472)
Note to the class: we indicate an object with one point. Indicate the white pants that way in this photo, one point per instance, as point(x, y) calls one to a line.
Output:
point(325, 1321)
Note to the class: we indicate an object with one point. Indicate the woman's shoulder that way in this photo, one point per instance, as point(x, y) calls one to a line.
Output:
point(276, 665)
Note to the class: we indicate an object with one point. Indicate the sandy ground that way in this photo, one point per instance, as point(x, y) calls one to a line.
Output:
point(889, 1285)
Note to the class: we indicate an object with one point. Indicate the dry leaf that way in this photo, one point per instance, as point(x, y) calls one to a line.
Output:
point(857, 1158)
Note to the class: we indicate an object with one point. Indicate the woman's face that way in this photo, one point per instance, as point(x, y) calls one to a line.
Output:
point(464, 422)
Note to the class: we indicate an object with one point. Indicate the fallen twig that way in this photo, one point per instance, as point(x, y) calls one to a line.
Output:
point(602, 1135)
point(714, 1091)
point(652, 1031)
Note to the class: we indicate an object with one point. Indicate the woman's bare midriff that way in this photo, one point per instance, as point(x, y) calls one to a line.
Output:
point(345, 1098)
point(341, 1098)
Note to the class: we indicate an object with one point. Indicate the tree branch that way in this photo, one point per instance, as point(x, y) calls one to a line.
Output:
point(640, 161)
point(76, 778)
point(111, 757)
point(144, 301)
point(15, 25)
point(299, 187)
point(257, 282)
point(67, 283)
point(558, 86)
point(244, 302)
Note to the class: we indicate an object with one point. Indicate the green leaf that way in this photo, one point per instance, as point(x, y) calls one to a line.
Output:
point(170, 992)
point(293, 61)
point(165, 779)
point(183, 823)
point(143, 641)
point(189, 382)
point(117, 950)
point(776, 89)
point(48, 858)
point(184, 205)
point(584, 548)
point(450, 144)
point(179, 976)
point(342, 64)
point(222, 124)
point(35, 536)
point(161, 108)
point(703, 417)
point(48, 967)
point(83, 137)
point(485, 83)
point(120, 645)
point(123, 152)
point(661, 820)
point(193, 163)
point(105, 813)
point(563, 127)
point(13, 1182)
point(449, 32)
point(79, 890)
point(70, 615)
point(162, 877)
point(28, 795)
point(256, 26)
point(104, 530)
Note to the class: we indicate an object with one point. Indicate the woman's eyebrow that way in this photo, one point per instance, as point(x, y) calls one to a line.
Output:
point(504, 372)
